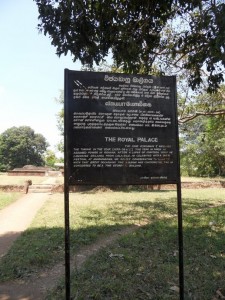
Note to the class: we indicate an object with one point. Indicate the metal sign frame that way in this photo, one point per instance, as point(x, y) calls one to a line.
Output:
point(87, 96)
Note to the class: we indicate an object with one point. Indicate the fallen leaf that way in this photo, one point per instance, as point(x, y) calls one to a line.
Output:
point(175, 288)
point(212, 223)
point(111, 255)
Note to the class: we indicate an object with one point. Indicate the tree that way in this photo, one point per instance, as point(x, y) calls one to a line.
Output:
point(202, 126)
point(21, 146)
point(176, 35)
point(60, 121)
point(50, 158)
point(203, 147)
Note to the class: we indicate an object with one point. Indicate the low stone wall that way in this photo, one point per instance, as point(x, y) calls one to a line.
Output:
point(59, 188)
point(12, 188)
point(27, 173)
point(203, 184)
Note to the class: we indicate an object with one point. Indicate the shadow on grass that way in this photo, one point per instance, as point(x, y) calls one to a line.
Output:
point(37, 248)
point(6, 241)
point(144, 265)
point(138, 210)
point(148, 262)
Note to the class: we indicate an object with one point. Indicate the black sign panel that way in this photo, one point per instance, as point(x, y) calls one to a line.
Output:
point(120, 128)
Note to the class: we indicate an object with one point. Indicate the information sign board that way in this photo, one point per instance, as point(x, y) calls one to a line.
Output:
point(120, 128)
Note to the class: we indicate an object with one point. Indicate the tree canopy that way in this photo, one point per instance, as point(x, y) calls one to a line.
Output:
point(21, 146)
point(174, 34)
point(204, 104)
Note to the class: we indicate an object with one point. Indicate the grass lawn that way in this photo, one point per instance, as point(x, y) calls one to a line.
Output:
point(8, 198)
point(141, 265)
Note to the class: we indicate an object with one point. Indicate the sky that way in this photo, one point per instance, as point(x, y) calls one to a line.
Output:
point(31, 74)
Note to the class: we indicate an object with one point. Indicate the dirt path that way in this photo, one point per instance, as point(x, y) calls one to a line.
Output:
point(15, 218)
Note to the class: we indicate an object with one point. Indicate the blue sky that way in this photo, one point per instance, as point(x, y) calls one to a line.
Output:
point(31, 74)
